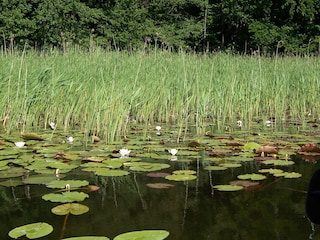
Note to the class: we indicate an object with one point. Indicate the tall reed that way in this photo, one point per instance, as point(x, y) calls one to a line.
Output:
point(106, 93)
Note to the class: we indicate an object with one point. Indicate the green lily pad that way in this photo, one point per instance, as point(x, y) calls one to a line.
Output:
point(12, 183)
point(106, 172)
point(252, 176)
point(39, 179)
point(271, 171)
point(180, 177)
point(73, 208)
point(32, 231)
point(215, 168)
point(65, 197)
point(278, 162)
point(62, 183)
point(31, 136)
point(288, 175)
point(143, 235)
point(12, 172)
point(148, 167)
point(228, 188)
point(87, 238)
point(250, 146)
point(117, 163)
point(184, 172)
point(230, 165)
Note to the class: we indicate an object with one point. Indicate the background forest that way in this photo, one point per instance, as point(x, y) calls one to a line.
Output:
point(287, 26)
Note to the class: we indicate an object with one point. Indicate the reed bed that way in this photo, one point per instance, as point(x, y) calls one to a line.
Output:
point(107, 93)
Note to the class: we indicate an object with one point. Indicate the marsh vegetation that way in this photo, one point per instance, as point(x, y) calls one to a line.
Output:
point(107, 93)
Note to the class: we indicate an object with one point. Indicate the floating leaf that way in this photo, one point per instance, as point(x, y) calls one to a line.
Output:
point(31, 136)
point(12, 183)
point(267, 149)
point(32, 231)
point(184, 172)
point(288, 175)
point(244, 183)
point(159, 185)
point(62, 183)
point(143, 235)
point(292, 175)
point(65, 197)
point(106, 172)
point(73, 208)
point(310, 148)
point(271, 171)
point(230, 165)
point(87, 238)
point(279, 162)
point(252, 176)
point(215, 168)
point(39, 179)
point(157, 174)
point(228, 188)
point(250, 146)
point(148, 167)
point(117, 163)
point(179, 177)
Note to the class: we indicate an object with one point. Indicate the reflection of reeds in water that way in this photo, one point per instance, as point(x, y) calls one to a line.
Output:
point(109, 92)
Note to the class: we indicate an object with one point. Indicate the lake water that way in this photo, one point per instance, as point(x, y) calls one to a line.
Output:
point(189, 210)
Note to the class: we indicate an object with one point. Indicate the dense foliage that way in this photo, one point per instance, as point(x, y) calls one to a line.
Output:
point(289, 26)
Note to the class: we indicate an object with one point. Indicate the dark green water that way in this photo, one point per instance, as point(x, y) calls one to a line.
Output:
point(190, 210)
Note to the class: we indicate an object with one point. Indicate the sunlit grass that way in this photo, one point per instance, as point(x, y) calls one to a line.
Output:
point(107, 93)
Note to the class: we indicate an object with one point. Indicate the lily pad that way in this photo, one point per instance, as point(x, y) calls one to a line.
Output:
point(228, 188)
point(31, 136)
point(73, 208)
point(288, 175)
point(230, 165)
point(143, 235)
point(271, 171)
point(106, 172)
point(159, 185)
point(215, 168)
point(65, 197)
point(87, 238)
point(148, 167)
point(39, 179)
point(32, 231)
point(62, 183)
point(117, 163)
point(12, 183)
point(184, 172)
point(180, 177)
point(278, 162)
point(250, 146)
point(252, 176)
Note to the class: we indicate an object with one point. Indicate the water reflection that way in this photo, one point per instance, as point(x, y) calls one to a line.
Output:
point(313, 202)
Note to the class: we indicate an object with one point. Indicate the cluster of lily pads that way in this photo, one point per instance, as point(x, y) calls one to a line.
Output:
point(47, 159)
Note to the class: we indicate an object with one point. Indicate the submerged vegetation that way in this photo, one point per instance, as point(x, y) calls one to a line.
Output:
point(106, 94)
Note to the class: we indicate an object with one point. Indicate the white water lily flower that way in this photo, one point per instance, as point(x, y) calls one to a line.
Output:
point(158, 128)
point(52, 125)
point(124, 152)
point(173, 151)
point(19, 144)
point(239, 123)
point(70, 140)
point(268, 123)
point(174, 158)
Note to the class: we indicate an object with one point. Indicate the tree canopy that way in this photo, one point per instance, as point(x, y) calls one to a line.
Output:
point(289, 26)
